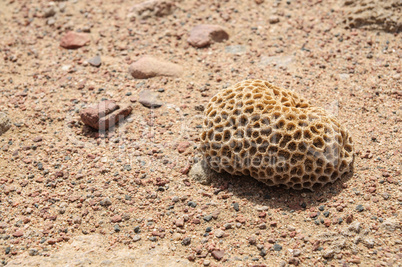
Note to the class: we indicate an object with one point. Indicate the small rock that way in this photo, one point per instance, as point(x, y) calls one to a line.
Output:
point(38, 139)
point(116, 218)
point(5, 123)
point(176, 236)
point(18, 233)
point(219, 233)
point(179, 222)
point(202, 173)
point(95, 61)
point(149, 99)
point(206, 263)
point(105, 202)
point(296, 253)
point(273, 19)
point(33, 252)
point(104, 115)
point(328, 254)
point(218, 254)
point(148, 67)
point(192, 204)
point(151, 8)
point(136, 238)
point(236, 206)
point(359, 208)
point(277, 247)
point(49, 12)
point(186, 241)
point(205, 34)
point(183, 146)
point(208, 218)
point(73, 40)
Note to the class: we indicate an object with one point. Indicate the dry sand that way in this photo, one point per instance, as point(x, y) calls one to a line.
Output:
point(71, 196)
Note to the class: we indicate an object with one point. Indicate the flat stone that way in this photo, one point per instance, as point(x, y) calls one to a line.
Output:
point(149, 99)
point(18, 233)
point(148, 67)
point(95, 61)
point(218, 254)
point(104, 115)
point(73, 40)
point(5, 123)
point(205, 34)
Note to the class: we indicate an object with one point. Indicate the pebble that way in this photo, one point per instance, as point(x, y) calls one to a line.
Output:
point(105, 202)
point(183, 146)
point(104, 115)
point(202, 173)
point(218, 254)
point(207, 218)
point(18, 233)
point(5, 123)
point(148, 67)
point(205, 34)
point(179, 222)
point(228, 226)
point(277, 247)
point(149, 99)
point(95, 61)
point(219, 233)
point(176, 236)
point(263, 252)
point(73, 40)
point(186, 241)
point(192, 204)
point(206, 263)
point(236, 206)
point(359, 208)
point(296, 253)
point(136, 238)
point(49, 12)
point(327, 254)
point(152, 8)
point(273, 19)
point(116, 218)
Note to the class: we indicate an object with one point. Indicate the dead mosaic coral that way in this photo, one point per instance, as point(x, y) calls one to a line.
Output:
point(274, 135)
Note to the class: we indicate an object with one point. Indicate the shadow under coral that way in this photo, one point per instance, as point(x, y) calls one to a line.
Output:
point(277, 197)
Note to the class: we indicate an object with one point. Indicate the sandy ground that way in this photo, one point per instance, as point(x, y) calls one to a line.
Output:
point(71, 196)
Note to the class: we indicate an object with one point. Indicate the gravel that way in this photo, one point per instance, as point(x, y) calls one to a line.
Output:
point(52, 165)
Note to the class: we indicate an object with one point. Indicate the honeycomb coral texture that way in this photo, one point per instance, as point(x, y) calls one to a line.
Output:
point(272, 134)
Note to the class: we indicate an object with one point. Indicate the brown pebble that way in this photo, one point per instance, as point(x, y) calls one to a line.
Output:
point(183, 146)
point(116, 218)
point(218, 254)
point(205, 34)
point(18, 233)
point(73, 40)
point(147, 67)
